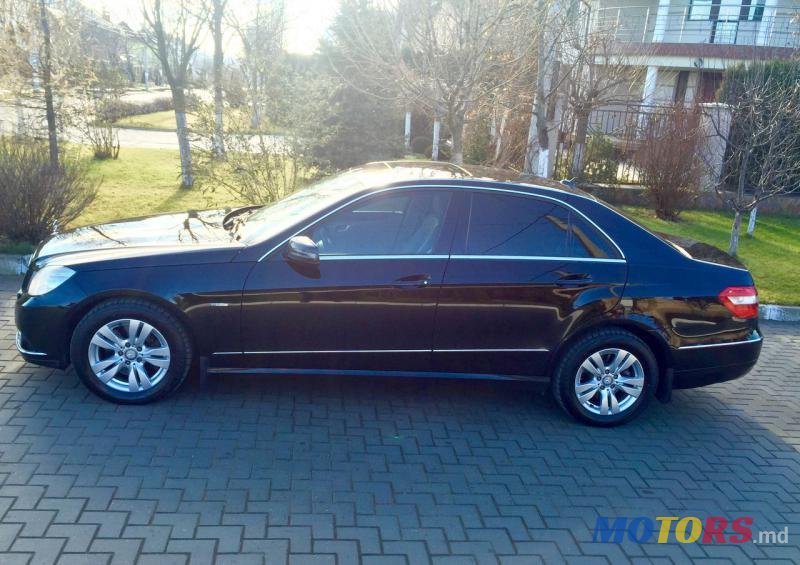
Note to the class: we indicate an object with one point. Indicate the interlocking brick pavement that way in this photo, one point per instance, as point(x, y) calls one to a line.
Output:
point(285, 470)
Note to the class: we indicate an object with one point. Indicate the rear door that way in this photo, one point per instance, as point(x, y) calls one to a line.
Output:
point(523, 271)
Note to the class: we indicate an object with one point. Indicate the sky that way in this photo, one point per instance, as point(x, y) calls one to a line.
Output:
point(306, 22)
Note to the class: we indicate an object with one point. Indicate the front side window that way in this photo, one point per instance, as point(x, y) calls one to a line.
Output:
point(400, 222)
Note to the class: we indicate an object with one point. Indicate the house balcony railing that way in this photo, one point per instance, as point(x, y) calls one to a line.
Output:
point(702, 22)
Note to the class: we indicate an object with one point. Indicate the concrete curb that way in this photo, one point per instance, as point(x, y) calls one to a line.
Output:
point(14, 264)
point(18, 264)
point(778, 313)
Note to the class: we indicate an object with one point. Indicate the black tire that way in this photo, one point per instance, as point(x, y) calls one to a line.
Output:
point(564, 376)
point(172, 330)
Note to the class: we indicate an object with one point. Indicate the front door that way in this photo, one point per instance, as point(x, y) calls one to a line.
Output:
point(523, 271)
point(371, 302)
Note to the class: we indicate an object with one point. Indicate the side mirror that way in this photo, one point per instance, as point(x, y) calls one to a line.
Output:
point(302, 249)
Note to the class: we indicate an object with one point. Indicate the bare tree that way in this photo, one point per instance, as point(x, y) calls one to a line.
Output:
point(173, 34)
point(668, 159)
point(47, 83)
point(261, 34)
point(554, 22)
point(762, 159)
point(436, 54)
point(601, 74)
point(41, 60)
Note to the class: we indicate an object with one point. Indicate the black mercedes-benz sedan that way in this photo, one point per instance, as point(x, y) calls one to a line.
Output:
point(395, 268)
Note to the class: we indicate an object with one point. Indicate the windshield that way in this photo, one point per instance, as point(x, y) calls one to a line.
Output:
point(275, 218)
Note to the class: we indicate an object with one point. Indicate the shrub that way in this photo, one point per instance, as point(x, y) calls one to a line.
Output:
point(103, 139)
point(36, 196)
point(258, 168)
point(668, 160)
point(601, 160)
point(114, 109)
point(478, 145)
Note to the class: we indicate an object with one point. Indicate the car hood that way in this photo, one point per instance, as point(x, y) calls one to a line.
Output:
point(137, 236)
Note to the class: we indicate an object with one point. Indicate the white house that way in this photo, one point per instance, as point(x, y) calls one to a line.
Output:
point(686, 46)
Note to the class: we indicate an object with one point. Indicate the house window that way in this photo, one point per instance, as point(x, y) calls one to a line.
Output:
point(717, 10)
point(752, 10)
point(700, 10)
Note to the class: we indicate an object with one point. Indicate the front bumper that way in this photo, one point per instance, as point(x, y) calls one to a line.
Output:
point(44, 325)
point(36, 357)
point(701, 365)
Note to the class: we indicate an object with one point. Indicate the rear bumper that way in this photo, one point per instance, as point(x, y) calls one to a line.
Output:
point(701, 365)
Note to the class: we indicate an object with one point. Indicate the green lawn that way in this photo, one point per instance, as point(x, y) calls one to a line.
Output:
point(156, 120)
point(772, 255)
point(165, 120)
point(145, 181)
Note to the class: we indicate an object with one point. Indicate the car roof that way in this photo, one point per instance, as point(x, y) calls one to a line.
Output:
point(420, 172)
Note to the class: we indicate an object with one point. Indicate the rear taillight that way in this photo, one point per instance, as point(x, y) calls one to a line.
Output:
point(742, 301)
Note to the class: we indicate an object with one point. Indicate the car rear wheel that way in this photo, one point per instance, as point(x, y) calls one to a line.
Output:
point(606, 378)
point(130, 351)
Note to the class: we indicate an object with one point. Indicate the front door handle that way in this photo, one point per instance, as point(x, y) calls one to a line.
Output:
point(577, 279)
point(413, 281)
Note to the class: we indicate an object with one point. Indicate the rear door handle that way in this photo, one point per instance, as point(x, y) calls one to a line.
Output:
point(577, 279)
point(412, 281)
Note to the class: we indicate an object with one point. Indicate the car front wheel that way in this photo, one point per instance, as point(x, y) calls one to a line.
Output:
point(130, 351)
point(606, 378)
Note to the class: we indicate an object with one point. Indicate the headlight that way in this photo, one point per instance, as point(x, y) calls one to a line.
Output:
point(48, 278)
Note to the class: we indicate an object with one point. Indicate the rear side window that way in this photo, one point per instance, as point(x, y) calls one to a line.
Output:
point(510, 225)
point(587, 241)
point(503, 224)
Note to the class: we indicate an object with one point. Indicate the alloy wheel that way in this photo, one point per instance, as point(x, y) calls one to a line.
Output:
point(609, 381)
point(129, 355)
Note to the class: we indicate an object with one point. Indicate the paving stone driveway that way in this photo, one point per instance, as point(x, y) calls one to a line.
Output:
point(383, 471)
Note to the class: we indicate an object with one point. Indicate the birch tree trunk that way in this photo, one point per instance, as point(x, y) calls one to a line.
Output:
point(751, 224)
point(218, 143)
point(255, 109)
point(456, 123)
point(579, 149)
point(537, 153)
point(179, 101)
point(733, 248)
point(47, 84)
point(407, 133)
point(498, 144)
point(437, 125)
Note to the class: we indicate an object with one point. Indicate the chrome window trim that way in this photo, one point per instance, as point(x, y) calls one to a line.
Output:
point(306, 352)
point(741, 342)
point(468, 257)
point(490, 350)
point(26, 351)
point(454, 188)
point(717, 264)
point(378, 257)
point(535, 258)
